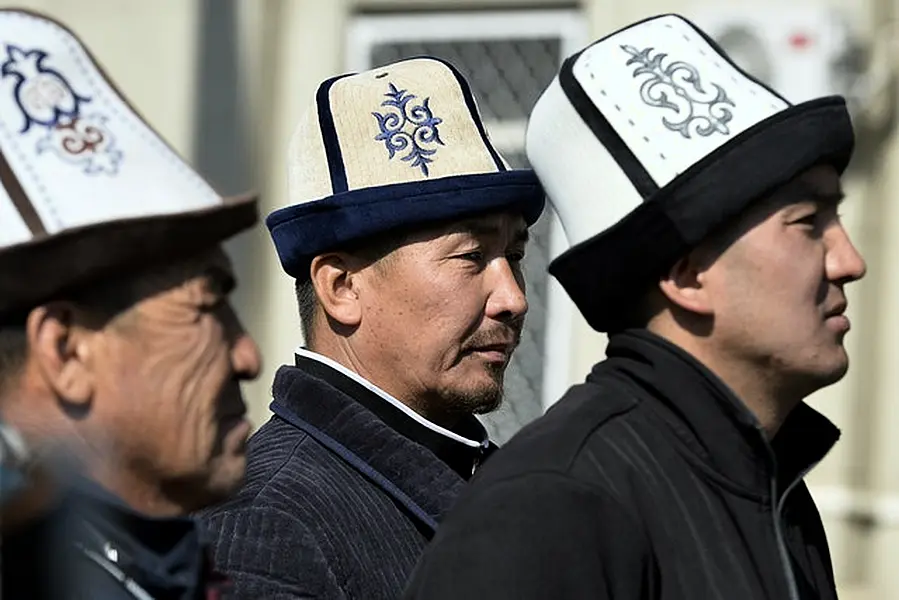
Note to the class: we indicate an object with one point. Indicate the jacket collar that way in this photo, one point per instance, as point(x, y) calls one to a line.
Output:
point(711, 424)
point(328, 400)
point(164, 556)
point(462, 448)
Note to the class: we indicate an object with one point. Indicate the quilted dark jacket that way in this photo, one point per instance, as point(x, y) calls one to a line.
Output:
point(336, 504)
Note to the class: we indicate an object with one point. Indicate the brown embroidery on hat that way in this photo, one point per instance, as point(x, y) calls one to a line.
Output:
point(46, 99)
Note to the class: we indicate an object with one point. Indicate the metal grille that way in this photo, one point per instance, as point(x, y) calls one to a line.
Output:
point(506, 77)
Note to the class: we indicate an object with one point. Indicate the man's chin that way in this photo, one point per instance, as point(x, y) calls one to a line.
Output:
point(477, 401)
point(826, 376)
point(229, 478)
point(487, 408)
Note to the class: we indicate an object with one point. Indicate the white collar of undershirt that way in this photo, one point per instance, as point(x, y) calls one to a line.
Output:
point(306, 353)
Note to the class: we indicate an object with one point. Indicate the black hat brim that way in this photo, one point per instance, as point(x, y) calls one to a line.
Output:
point(607, 273)
point(50, 265)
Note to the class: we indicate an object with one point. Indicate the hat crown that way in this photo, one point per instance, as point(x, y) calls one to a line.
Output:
point(76, 152)
point(410, 121)
point(397, 147)
point(88, 190)
point(666, 97)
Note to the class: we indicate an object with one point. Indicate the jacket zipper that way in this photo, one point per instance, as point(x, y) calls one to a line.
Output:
point(131, 586)
point(482, 450)
point(777, 506)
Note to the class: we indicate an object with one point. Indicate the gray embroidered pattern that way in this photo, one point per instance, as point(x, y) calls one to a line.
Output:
point(678, 87)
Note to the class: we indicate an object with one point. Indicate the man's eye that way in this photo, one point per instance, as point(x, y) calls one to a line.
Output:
point(811, 219)
point(476, 256)
point(215, 305)
point(516, 256)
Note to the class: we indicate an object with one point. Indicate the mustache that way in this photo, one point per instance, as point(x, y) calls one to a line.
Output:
point(502, 336)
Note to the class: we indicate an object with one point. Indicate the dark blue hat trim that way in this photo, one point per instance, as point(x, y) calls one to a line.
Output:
point(302, 231)
point(329, 133)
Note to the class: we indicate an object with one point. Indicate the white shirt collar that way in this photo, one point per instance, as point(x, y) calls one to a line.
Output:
point(305, 353)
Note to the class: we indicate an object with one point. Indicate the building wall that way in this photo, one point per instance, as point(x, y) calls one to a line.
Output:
point(285, 47)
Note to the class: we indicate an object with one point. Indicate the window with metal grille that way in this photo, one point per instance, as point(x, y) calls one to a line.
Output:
point(509, 58)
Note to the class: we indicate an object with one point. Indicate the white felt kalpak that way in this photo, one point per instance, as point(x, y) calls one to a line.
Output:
point(80, 153)
point(670, 96)
point(650, 139)
point(87, 184)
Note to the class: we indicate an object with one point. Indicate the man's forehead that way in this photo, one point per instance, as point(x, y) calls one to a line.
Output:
point(821, 181)
point(506, 225)
point(491, 224)
point(211, 264)
point(820, 184)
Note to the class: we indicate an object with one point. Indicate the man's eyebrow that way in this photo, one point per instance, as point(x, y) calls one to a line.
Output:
point(221, 280)
point(482, 229)
point(522, 235)
point(805, 191)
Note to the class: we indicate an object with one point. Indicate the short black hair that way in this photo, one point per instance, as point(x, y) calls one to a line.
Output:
point(103, 300)
point(308, 304)
point(13, 349)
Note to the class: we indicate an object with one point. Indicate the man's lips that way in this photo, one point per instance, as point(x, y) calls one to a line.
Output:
point(837, 310)
point(496, 352)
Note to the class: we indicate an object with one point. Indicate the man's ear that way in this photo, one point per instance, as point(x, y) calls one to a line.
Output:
point(61, 350)
point(685, 285)
point(335, 285)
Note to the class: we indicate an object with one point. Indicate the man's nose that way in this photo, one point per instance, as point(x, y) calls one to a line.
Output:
point(507, 300)
point(246, 360)
point(844, 262)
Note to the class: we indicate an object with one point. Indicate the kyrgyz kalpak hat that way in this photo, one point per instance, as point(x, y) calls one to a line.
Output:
point(394, 147)
point(650, 139)
point(87, 188)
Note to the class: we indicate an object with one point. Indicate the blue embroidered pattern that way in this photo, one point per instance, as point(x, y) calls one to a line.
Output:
point(47, 100)
point(411, 126)
point(679, 87)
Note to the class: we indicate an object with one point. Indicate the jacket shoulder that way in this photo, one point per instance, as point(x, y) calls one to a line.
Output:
point(263, 537)
point(266, 552)
point(555, 441)
point(286, 469)
point(306, 520)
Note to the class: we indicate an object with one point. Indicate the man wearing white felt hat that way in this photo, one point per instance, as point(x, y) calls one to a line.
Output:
point(405, 235)
point(702, 208)
point(120, 357)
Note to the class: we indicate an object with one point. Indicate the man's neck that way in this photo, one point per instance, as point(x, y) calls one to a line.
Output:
point(346, 356)
point(68, 452)
point(144, 497)
point(759, 392)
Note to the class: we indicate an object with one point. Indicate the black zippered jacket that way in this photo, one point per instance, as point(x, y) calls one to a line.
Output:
point(649, 481)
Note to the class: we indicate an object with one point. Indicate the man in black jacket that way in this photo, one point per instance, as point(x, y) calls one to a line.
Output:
point(405, 236)
point(120, 357)
point(703, 209)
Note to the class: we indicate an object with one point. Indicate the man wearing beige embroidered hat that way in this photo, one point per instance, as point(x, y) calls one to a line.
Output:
point(405, 236)
point(120, 358)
